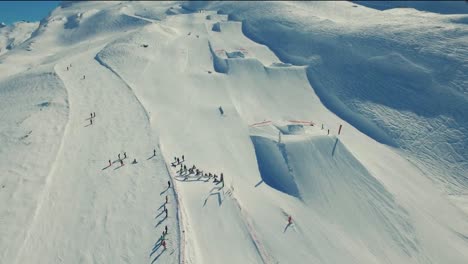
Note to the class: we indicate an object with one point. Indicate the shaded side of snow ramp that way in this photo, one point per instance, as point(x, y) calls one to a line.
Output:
point(339, 188)
point(273, 165)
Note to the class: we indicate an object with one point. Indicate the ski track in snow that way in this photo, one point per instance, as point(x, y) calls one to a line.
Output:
point(49, 178)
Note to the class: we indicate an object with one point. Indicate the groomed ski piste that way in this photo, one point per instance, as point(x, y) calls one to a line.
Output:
point(204, 80)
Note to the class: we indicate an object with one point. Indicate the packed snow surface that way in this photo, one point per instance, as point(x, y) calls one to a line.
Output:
point(100, 99)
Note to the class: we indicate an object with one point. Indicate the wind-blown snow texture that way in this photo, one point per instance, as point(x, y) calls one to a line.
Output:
point(391, 188)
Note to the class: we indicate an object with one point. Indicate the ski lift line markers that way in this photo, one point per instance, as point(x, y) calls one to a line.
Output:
point(260, 123)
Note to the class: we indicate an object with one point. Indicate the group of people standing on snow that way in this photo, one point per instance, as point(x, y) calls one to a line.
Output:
point(119, 159)
point(194, 171)
point(93, 115)
point(164, 233)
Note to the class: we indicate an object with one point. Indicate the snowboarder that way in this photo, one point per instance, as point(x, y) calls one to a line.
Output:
point(125, 155)
point(168, 184)
point(221, 110)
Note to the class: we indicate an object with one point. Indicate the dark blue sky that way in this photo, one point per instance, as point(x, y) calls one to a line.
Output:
point(12, 11)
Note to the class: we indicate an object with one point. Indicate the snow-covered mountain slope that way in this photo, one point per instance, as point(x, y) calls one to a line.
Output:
point(399, 75)
point(170, 79)
point(15, 34)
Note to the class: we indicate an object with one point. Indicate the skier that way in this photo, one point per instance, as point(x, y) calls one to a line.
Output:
point(84, 77)
point(91, 115)
point(67, 68)
point(221, 110)
point(165, 229)
point(221, 178)
point(183, 158)
point(163, 243)
point(167, 200)
point(215, 178)
point(289, 220)
point(94, 114)
point(91, 121)
point(178, 161)
point(154, 152)
point(165, 210)
point(119, 156)
point(168, 184)
point(134, 161)
point(110, 163)
point(125, 155)
point(121, 163)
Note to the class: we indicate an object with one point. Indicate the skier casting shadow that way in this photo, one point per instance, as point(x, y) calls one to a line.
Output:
point(220, 201)
point(156, 258)
point(160, 222)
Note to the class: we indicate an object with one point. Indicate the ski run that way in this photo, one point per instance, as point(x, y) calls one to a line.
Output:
point(234, 132)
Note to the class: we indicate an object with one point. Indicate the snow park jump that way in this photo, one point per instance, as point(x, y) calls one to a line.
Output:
point(234, 132)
